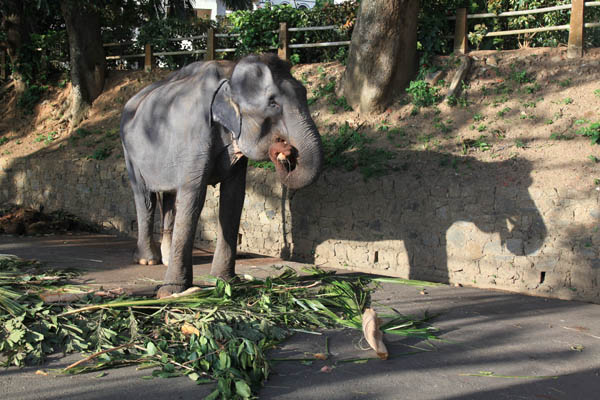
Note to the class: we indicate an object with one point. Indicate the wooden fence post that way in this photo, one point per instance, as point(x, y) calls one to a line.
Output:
point(210, 45)
point(460, 32)
point(283, 51)
point(575, 49)
point(2, 64)
point(148, 58)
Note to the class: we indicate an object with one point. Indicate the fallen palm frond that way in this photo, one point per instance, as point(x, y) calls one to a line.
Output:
point(214, 334)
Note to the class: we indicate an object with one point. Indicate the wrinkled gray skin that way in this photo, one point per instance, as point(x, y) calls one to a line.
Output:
point(179, 135)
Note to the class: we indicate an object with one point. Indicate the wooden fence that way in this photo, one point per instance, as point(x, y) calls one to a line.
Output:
point(211, 49)
point(575, 27)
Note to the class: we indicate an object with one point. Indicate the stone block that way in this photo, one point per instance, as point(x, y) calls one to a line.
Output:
point(456, 237)
point(545, 263)
point(493, 248)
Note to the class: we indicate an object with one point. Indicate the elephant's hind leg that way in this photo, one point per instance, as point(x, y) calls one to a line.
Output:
point(168, 220)
point(147, 251)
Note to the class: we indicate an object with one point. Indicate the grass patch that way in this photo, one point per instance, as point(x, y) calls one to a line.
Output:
point(101, 153)
point(422, 94)
point(591, 131)
point(268, 165)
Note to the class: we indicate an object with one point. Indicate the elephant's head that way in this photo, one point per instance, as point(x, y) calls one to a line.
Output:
point(266, 110)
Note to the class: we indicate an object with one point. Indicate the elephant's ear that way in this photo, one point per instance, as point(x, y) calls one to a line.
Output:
point(224, 110)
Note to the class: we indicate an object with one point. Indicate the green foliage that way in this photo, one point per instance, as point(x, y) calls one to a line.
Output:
point(520, 76)
point(503, 112)
point(565, 83)
point(268, 165)
point(101, 153)
point(227, 345)
point(480, 144)
point(348, 150)
point(477, 35)
point(422, 94)
point(3, 140)
point(336, 146)
point(373, 162)
point(591, 131)
point(258, 29)
point(157, 33)
point(342, 103)
point(31, 96)
point(46, 138)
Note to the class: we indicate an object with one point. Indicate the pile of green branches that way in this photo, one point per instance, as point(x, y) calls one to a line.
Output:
point(218, 334)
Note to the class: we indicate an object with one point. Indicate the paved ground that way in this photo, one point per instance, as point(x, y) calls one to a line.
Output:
point(522, 338)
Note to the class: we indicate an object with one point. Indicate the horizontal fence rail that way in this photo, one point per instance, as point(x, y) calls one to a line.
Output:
point(575, 27)
point(210, 49)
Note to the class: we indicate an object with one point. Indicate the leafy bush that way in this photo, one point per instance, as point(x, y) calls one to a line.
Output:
point(101, 153)
point(435, 31)
point(592, 131)
point(258, 29)
point(422, 94)
point(31, 96)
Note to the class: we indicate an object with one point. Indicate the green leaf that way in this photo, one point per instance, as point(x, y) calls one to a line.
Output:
point(16, 335)
point(213, 396)
point(151, 349)
point(242, 389)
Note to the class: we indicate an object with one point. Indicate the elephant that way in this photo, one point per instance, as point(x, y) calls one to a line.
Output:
point(198, 127)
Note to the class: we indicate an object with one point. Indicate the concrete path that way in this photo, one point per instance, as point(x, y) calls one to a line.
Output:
point(536, 348)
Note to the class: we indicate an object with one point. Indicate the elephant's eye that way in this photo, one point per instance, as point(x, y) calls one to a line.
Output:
point(272, 102)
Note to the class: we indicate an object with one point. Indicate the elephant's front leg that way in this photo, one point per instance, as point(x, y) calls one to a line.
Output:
point(231, 202)
point(179, 274)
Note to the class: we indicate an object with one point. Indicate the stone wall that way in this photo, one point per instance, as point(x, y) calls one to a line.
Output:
point(502, 225)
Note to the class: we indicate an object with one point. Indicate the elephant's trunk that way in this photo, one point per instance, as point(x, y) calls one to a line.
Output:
point(301, 164)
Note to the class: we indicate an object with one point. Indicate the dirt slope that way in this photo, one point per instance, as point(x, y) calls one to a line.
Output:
point(526, 103)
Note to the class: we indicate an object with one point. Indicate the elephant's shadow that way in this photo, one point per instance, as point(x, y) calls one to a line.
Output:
point(352, 221)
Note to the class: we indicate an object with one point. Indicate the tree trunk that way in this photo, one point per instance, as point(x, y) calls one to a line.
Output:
point(13, 23)
point(383, 52)
point(88, 65)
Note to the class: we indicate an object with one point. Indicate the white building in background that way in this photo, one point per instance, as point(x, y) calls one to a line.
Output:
point(302, 4)
point(211, 8)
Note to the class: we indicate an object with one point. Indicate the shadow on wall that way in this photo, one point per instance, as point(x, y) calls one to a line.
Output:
point(96, 191)
point(428, 204)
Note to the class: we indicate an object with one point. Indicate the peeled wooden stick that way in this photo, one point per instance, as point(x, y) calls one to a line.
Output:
point(370, 324)
point(97, 354)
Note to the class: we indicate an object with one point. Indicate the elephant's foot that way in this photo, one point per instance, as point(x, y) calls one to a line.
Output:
point(151, 257)
point(168, 290)
point(224, 274)
point(143, 261)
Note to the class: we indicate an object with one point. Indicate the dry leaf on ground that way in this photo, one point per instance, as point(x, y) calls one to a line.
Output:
point(373, 334)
